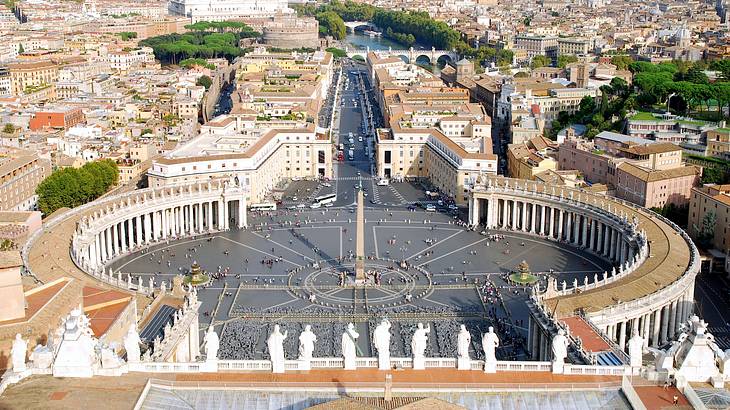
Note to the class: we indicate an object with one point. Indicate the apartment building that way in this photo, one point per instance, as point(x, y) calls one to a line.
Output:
point(434, 132)
point(574, 46)
point(527, 159)
point(654, 188)
point(281, 85)
point(57, 118)
point(428, 153)
point(718, 143)
point(20, 173)
point(535, 45)
point(647, 173)
point(124, 60)
point(26, 77)
point(714, 199)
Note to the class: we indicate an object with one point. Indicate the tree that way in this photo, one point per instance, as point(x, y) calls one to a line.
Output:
point(7, 245)
point(693, 75)
point(127, 35)
point(540, 61)
point(565, 59)
point(337, 52)
point(677, 214)
point(8, 128)
point(192, 62)
point(706, 232)
point(331, 23)
point(71, 187)
point(621, 62)
point(723, 66)
point(205, 81)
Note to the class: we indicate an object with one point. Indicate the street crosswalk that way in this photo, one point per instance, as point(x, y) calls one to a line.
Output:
point(397, 194)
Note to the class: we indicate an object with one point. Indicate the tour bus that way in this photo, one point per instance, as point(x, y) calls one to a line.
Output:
point(267, 206)
point(325, 199)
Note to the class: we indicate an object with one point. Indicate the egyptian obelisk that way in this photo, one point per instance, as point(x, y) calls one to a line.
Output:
point(360, 240)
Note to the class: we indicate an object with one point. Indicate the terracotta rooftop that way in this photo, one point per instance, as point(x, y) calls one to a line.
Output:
point(648, 149)
point(649, 175)
point(10, 259)
point(37, 298)
point(592, 342)
point(103, 306)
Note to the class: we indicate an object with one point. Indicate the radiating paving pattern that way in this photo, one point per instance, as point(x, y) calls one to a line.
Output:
point(162, 398)
point(286, 269)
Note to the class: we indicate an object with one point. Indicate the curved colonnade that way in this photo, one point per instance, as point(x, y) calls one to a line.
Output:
point(125, 223)
point(652, 290)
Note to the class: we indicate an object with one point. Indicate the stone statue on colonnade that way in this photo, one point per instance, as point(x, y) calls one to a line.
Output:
point(275, 343)
point(490, 343)
point(381, 340)
point(560, 351)
point(463, 341)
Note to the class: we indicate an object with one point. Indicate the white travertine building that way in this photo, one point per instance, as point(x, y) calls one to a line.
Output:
point(219, 10)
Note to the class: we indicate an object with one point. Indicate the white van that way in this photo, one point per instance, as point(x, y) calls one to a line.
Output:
point(383, 182)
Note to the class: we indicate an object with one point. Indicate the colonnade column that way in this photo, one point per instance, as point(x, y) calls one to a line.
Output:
point(97, 249)
point(123, 235)
point(226, 213)
point(665, 324)
point(156, 225)
point(560, 224)
point(92, 254)
point(645, 325)
point(552, 222)
point(612, 247)
point(242, 214)
point(115, 240)
point(178, 220)
point(584, 238)
point(138, 219)
point(576, 229)
point(165, 223)
point(592, 234)
point(622, 335)
point(200, 217)
point(657, 327)
point(184, 213)
point(147, 229)
point(542, 220)
point(534, 215)
point(221, 216)
point(523, 227)
point(513, 223)
point(672, 319)
point(210, 216)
